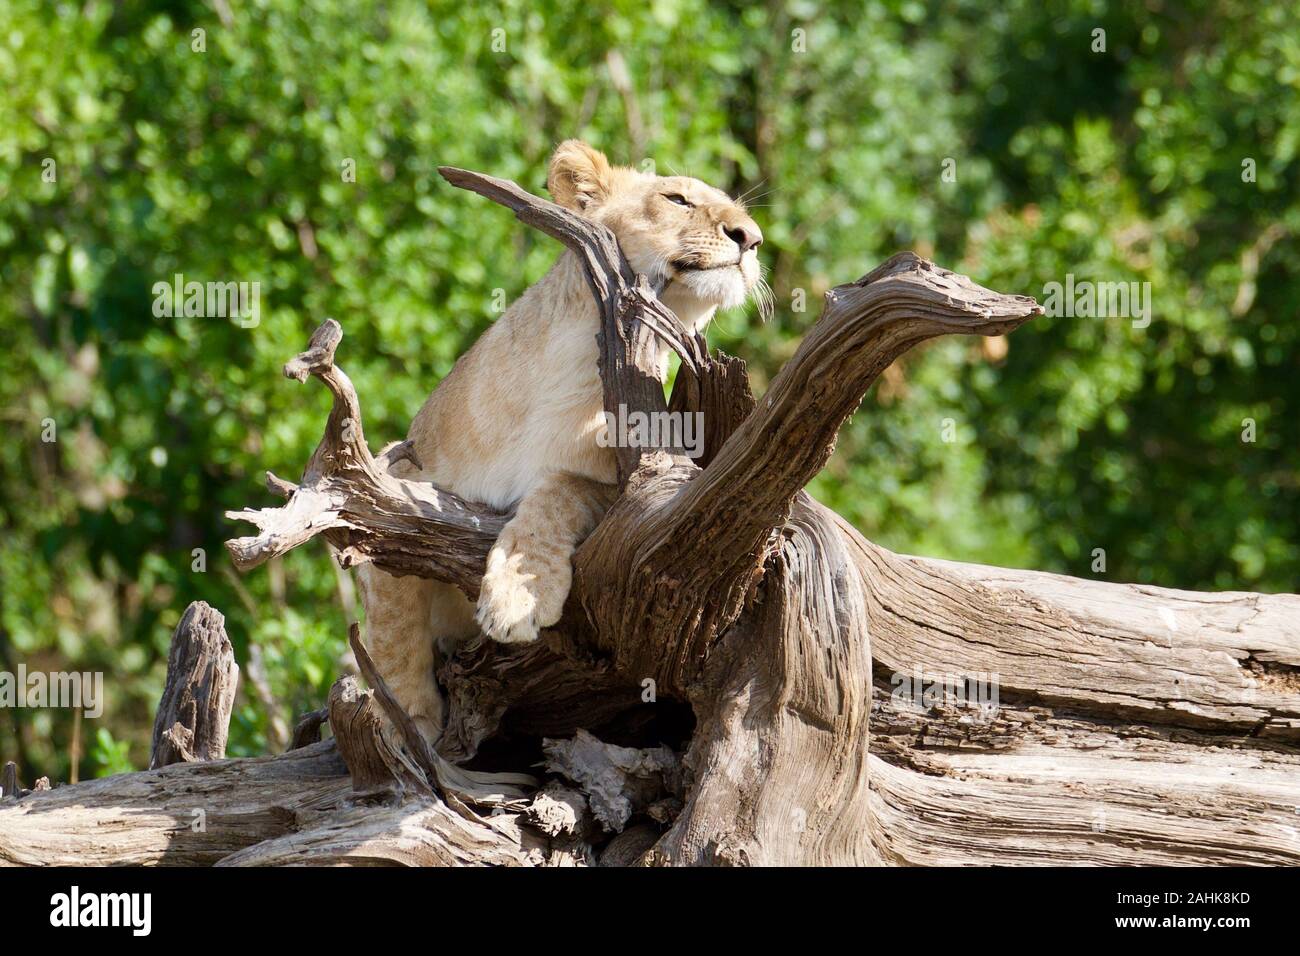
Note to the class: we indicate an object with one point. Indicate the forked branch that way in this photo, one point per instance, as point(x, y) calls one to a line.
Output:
point(355, 500)
point(671, 566)
point(706, 534)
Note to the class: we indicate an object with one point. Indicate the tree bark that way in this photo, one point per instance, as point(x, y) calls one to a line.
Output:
point(706, 698)
point(193, 717)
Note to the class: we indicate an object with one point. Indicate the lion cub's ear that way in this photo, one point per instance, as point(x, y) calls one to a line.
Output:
point(580, 176)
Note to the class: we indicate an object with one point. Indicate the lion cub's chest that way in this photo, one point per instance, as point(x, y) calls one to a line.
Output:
point(524, 402)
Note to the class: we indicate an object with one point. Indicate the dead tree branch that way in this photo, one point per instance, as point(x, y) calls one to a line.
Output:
point(348, 495)
point(707, 695)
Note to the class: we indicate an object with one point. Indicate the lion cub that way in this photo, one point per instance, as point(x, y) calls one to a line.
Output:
point(515, 423)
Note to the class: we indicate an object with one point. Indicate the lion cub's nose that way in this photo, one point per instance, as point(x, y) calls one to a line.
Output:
point(746, 236)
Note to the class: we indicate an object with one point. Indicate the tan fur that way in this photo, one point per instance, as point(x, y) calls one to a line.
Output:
point(515, 423)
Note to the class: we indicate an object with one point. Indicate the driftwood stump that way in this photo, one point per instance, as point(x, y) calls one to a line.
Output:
point(706, 697)
point(193, 716)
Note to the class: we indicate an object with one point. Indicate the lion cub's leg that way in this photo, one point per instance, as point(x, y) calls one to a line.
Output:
point(405, 618)
point(529, 569)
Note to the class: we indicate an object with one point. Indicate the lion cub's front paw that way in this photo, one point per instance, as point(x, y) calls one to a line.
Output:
point(517, 597)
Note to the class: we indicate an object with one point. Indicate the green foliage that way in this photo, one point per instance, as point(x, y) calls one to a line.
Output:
point(227, 164)
point(109, 755)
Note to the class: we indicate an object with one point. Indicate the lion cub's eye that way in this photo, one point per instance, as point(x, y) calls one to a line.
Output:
point(678, 199)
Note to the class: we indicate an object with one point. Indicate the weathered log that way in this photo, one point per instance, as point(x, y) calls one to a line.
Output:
point(728, 588)
point(348, 495)
point(420, 832)
point(1070, 782)
point(193, 718)
point(1084, 778)
point(296, 807)
point(186, 814)
point(374, 764)
point(677, 560)
point(1225, 662)
point(616, 781)
point(721, 611)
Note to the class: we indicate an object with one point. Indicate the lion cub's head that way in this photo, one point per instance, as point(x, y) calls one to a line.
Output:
point(672, 228)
